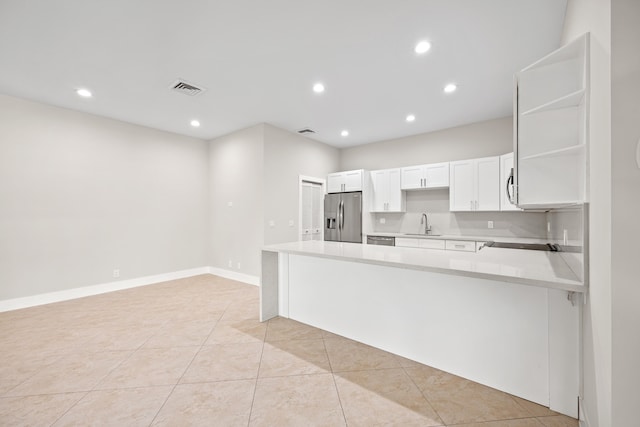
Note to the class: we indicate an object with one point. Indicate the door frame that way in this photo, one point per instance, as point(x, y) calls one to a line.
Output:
point(302, 179)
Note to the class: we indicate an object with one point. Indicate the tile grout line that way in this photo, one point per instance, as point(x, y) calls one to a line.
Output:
point(185, 369)
point(333, 378)
point(255, 386)
point(404, 369)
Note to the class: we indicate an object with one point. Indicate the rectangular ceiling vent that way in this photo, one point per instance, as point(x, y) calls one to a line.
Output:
point(306, 131)
point(187, 88)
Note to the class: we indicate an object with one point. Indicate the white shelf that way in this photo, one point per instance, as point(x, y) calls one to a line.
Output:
point(565, 53)
point(569, 101)
point(552, 110)
point(554, 153)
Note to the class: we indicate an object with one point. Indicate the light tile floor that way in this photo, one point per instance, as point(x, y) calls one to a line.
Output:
point(192, 352)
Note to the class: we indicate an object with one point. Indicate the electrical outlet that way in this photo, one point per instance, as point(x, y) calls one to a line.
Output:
point(229, 204)
point(382, 220)
point(565, 237)
point(116, 273)
point(230, 264)
point(290, 223)
point(272, 223)
point(548, 227)
point(489, 224)
point(238, 266)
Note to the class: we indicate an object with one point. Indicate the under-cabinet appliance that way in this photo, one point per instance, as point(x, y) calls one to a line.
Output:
point(381, 240)
point(343, 217)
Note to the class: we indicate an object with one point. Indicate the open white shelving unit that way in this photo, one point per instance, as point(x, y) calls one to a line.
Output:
point(551, 128)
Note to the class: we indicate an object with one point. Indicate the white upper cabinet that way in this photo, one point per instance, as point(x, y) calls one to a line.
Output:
point(475, 185)
point(341, 182)
point(434, 175)
point(387, 195)
point(551, 107)
point(506, 183)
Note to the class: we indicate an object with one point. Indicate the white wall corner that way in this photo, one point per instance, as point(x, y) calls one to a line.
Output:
point(85, 291)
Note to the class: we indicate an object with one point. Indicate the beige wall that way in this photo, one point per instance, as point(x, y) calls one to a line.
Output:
point(257, 169)
point(286, 157)
point(82, 195)
point(236, 174)
point(594, 16)
point(625, 272)
point(489, 138)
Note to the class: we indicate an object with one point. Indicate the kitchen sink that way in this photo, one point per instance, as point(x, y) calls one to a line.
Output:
point(422, 234)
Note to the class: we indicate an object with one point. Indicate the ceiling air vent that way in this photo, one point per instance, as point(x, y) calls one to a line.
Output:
point(306, 131)
point(187, 88)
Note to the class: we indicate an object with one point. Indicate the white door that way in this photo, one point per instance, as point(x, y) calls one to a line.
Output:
point(335, 183)
point(311, 215)
point(394, 194)
point(437, 175)
point(412, 177)
point(462, 183)
point(353, 180)
point(488, 182)
point(380, 181)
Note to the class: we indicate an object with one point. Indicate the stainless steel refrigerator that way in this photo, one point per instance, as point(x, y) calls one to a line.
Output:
point(343, 217)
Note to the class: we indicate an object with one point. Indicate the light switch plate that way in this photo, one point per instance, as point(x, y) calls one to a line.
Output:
point(382, 220)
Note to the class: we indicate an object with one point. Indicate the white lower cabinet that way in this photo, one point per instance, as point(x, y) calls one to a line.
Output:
point(406, 242)
point(475, 185)
point(450, 245)
point(431, 244)
point(460, 245)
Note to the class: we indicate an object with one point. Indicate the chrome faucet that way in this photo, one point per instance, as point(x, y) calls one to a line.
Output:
point(425, 220)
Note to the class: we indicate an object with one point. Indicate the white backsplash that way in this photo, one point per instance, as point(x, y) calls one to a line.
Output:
point(435, 203)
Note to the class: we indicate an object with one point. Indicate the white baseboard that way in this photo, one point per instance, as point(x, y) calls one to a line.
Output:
point(234, 275)
point(85, 291)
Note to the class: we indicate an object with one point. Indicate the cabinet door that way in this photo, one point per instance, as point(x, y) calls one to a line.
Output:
point(353, 180)
point(396, 199)
point(411, 178)
point(437, 175)
point(380, 181)
point(334, 182)
point(462, 185)
point(407, 242)
point(488, 184)
point(506, 180)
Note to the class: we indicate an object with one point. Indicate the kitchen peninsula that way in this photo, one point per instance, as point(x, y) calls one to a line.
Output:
point(504, 318)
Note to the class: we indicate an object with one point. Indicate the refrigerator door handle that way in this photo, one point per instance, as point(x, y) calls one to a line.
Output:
point(341, 217)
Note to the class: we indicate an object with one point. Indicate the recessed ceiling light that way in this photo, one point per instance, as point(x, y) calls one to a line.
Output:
point(411, 118)
point(318, 88)
point(450, 88)
point(195, 123)
point(422, 47)
point(344, 133)
point(85, 93)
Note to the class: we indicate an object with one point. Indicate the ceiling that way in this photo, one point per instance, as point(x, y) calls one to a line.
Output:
point(258, 60)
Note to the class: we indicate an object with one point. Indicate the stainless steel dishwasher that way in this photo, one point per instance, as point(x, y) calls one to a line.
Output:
point(381, 240)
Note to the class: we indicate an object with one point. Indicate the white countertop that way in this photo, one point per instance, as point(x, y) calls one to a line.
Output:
point(459, 237)
point(537, 268)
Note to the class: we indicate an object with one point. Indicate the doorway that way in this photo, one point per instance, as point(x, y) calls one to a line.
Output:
point(311, 208)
